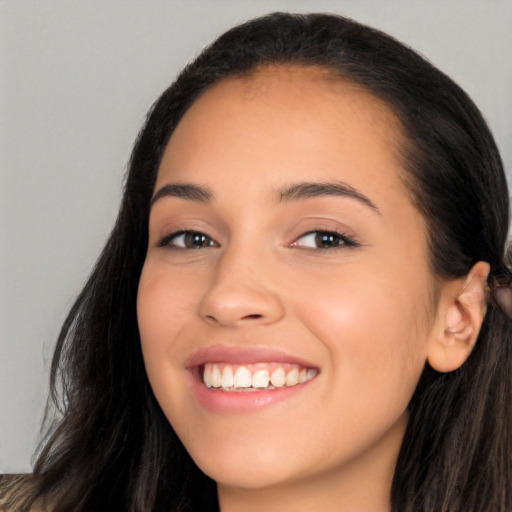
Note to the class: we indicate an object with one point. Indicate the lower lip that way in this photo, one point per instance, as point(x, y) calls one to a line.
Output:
point(219, 401)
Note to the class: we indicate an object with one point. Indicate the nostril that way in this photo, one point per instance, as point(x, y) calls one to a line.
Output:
point(214, 319)
point(252, 317)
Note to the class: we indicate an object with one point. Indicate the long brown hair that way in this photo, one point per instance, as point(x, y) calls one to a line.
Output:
point(113, 449)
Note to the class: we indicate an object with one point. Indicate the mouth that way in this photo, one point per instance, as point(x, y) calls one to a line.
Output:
point(254, 377)
point(227, 379)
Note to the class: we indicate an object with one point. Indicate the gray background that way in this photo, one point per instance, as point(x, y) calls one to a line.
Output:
point(76, 79)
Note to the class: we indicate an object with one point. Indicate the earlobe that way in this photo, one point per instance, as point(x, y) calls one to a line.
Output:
point(462, 307)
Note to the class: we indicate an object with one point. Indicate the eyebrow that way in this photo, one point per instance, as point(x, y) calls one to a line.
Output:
point(295, 192)
point(184, 191)
point(307, 190)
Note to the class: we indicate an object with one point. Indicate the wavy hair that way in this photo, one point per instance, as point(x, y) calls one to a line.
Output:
point(113, 449)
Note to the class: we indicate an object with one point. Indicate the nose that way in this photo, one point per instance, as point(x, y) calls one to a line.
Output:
point(238, 296)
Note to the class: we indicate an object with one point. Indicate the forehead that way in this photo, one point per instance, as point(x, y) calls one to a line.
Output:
point(303, 119)
point(293, 87)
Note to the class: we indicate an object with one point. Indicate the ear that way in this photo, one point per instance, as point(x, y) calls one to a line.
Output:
point(461, 311)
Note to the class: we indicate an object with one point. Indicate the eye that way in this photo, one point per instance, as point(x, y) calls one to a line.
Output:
point(187, 240)
point(324, 240)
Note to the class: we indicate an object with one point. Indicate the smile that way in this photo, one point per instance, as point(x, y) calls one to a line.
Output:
point(252, 377)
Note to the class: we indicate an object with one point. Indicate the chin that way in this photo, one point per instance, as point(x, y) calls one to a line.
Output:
point(244, 475)
point(249, 467)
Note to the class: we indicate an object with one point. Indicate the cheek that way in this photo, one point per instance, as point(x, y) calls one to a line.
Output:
point(164, 306)
point(375, 332)
point(164, 303)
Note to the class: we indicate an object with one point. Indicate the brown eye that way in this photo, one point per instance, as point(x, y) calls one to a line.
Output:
point(327, 240)
point(324, 240)
point(188, 240)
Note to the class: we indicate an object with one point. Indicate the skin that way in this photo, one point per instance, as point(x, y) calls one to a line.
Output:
point(363, 315)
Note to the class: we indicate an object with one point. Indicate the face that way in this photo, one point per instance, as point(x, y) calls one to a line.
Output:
point(287, 268)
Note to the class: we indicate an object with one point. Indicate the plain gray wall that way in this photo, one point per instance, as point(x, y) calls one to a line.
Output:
point(76, 79)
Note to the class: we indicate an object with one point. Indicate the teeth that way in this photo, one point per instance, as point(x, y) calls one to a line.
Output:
point(292, 377)
point(207, 376)
point(278, 378)
point(260, 379)
point(216, 377)
point(255, 376)
point(243, 378)
point(227, 377)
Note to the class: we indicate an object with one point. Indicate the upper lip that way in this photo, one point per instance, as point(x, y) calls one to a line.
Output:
point(242, 355)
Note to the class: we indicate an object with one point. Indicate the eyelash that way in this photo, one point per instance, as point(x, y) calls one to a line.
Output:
point(167, 240)
point(343, 240)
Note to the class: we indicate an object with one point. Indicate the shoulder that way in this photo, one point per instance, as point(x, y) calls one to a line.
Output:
point(14, 492)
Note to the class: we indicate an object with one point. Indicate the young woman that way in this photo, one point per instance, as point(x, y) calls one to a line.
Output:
point(303, 303)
